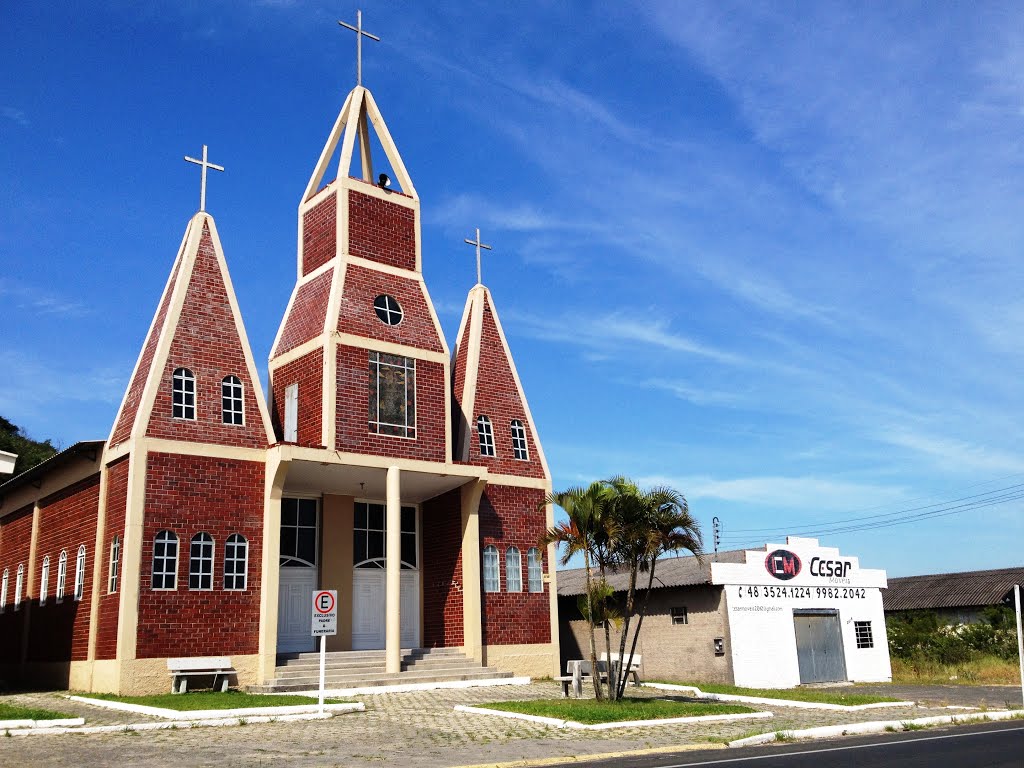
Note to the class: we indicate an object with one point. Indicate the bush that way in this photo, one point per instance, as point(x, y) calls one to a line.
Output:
point(921, 637)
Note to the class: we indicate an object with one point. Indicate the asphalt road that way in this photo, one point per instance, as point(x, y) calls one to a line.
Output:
point(992, 745)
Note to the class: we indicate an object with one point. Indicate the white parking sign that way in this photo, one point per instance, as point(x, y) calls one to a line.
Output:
point(325, 612)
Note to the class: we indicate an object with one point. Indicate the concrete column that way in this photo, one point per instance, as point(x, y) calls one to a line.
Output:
point(393, 595)
point(472, 612)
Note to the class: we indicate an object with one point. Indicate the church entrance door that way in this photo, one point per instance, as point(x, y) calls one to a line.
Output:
point(299, 574)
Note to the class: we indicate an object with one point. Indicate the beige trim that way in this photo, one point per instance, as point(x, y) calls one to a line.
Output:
point(209, 450)
point(472, 630)
point(33, 546)
point(552, 553)
point(387, 269)
point(98, 579)
point(284, 319)
point(541, 483)
point(289, 452)
point(388, 144)
point(110, 455)
point(363, 342)
point(325, 157)
point(131, 557)
point(277, 473)
point(475, 310)
point(393, 573)
point(317, 342)
point(534, 660)
point(329, 377)
point(58, 479)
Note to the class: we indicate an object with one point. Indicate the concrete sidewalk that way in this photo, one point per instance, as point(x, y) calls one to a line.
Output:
point(414, 730)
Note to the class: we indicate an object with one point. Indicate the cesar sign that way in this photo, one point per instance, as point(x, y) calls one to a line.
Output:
point(325, 612)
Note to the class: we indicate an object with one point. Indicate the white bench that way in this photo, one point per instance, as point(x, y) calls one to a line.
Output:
point(219, 667)
point(578, 670)
point(634, 668)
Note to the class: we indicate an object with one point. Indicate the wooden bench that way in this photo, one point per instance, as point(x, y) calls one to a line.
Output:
point(634, 668)
point(219, 667)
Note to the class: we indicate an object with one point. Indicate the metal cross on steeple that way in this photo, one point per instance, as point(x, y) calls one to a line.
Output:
point(204, 165)
point(478, 245)
point(360, 34)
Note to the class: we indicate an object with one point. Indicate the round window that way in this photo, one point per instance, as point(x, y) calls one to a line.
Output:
point(387, 309)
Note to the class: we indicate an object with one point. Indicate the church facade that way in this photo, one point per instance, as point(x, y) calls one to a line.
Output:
point(382, 463)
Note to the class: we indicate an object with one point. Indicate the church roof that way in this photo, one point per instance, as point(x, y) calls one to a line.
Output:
point(87, 448)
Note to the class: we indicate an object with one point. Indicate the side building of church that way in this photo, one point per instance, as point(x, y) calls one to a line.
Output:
point(383, 464)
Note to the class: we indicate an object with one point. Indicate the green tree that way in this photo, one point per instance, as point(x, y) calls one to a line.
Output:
point(30, 452)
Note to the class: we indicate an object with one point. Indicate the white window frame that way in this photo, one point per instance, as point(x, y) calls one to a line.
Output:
point(232, 401)
point(485, 434)
point(513, 570)
point(115, 564)
point(3, 588)
point(80, 573)
point(392, 315)
point(236, 554)
point(519, 449)
point(377, 426)
point(183, 383)
point(491, 569)
point(165, 538)
point(62, 574)
point(44, 581)
point(291, 413)
point(200, 566)
point(864, 635)
point(19, 582)
point(535, 569)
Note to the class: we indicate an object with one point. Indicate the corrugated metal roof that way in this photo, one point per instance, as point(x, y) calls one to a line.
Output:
point(966, 589)
point(669, 572)
point(89, 447)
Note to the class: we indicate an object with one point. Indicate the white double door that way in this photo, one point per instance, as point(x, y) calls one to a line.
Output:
point(295, 608)
point(369, 608)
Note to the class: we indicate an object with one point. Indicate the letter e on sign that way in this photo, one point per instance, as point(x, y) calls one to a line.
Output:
point(325, 612)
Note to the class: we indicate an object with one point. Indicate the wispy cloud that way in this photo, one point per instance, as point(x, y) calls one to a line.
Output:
point(693, 394)
point(14, 114)
point(30, 381)
point(953, 454)
point(32, 299)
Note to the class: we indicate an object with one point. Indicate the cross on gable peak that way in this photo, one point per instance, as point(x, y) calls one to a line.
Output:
point(478, 245)
point(204, 164)
point(360, 34)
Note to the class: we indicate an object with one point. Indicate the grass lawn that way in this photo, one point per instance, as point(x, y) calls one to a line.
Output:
point(589, 711)
point(186, 702)
point(984, 670)
point(12, 712)
point(815, 695)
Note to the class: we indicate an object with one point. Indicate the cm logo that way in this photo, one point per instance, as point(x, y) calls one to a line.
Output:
point(782, 564)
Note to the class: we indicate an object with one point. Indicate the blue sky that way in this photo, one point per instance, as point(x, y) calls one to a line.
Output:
point(769, 254)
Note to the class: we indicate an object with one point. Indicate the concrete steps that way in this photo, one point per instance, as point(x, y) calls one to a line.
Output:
point(364, 669)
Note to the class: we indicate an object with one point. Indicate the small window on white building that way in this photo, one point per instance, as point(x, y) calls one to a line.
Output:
point(231, 408)
point(291, 413)
point(535, 570)
point(492, 578)
point(236, 562)
point(200, 562)
point(680, 616)
point(862, 631)
point(486, 435)
point(519, 441)
point(115, 564)
point(62, 574)
point(19, 582)
point(183, 394)
point(513, 570)
point(3, 589)
point(80, 573)
point(44, 581)
point(165, 560)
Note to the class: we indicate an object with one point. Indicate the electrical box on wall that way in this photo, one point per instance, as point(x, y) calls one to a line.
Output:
point(719, 646)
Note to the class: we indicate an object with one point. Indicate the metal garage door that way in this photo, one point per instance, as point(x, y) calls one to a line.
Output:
point(819, 646)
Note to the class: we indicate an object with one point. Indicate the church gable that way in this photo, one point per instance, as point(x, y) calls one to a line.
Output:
point(367, 311)
point(306, 314)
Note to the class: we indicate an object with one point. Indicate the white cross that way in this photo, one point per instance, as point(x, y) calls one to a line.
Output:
point(204, 165)
point(478, 245)
point(360, 34)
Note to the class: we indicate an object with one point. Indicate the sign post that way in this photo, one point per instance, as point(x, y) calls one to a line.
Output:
point(1020, 638)
point(325, 622)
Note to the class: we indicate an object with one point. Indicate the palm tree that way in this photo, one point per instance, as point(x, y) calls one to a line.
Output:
point(580, 533)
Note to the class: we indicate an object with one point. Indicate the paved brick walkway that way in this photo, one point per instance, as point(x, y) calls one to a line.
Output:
point(412, 730)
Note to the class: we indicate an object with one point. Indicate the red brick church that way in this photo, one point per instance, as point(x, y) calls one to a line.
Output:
point(404, 474)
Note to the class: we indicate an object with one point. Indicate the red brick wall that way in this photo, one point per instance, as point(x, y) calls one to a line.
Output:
point(15, 543)
point(357, 316)
point(67, 520)
point(442, 571)
point(109, 613)
point(189, 495)
point(353, 407)
point(306, 318)
point(131, 403)
point(498, 398)
point(319, 234)
point(308, 373)
point(381, 231)
point(510, 517)
point(206, 342)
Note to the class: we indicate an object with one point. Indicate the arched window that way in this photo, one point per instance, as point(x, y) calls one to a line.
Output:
point(3, 589)
point(62, 573)
point(236, 562)
point(519, 441)
point(492, 579)
point(19, 582)
point(200, 562)
point(486, 435)
point(231, 408)
point(165, 560)
point(513, 570)
point(115, 562)
point(535, 569)
point(183, 394)
point(80, 573)
point(44, 581)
